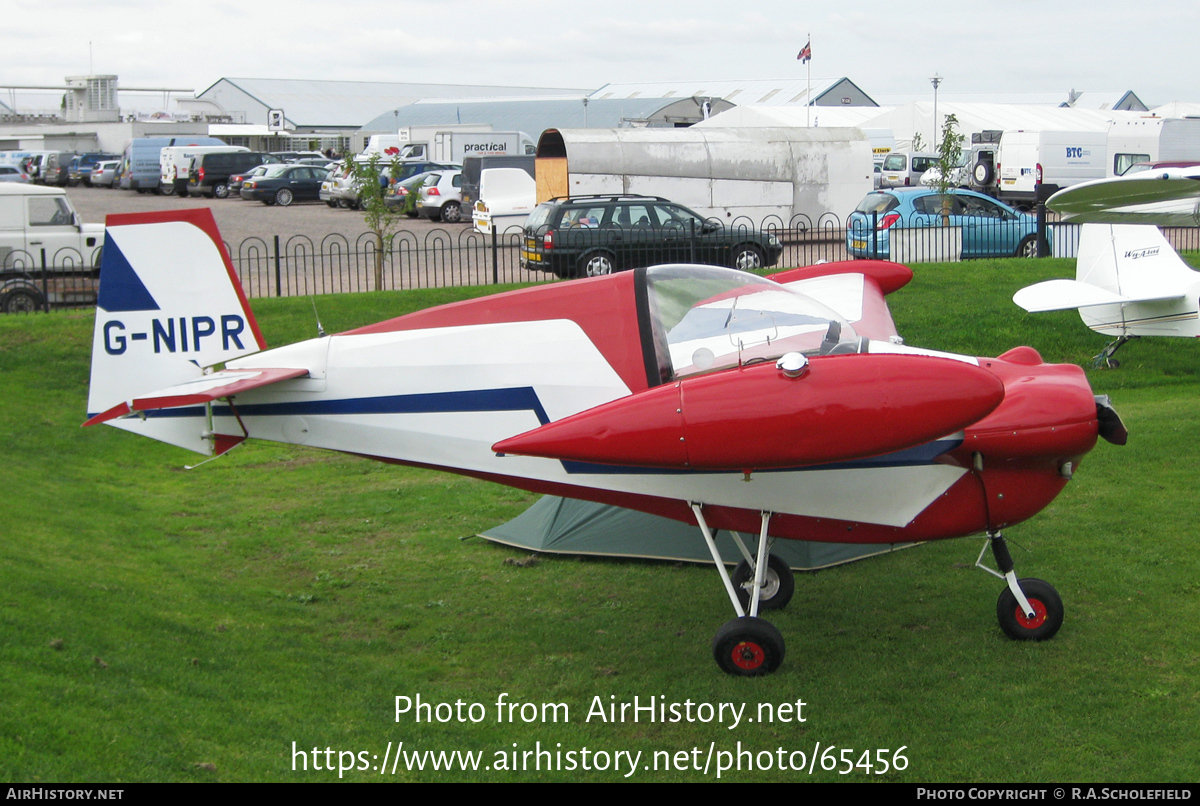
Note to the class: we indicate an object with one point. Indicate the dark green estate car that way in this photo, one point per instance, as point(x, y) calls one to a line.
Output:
point(587, 236)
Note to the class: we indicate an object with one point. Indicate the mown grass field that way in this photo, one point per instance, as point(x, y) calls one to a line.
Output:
point(158, 624)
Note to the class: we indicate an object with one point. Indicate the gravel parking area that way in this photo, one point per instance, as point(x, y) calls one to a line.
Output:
point(239, 219)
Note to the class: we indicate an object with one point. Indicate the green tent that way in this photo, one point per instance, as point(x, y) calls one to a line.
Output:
point(565, 526)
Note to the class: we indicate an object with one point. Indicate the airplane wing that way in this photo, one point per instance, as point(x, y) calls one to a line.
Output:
point(853, 288)
point(1061, 295)
point(1165, 196)
point(224, 383)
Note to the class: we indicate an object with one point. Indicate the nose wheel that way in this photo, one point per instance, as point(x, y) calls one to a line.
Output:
point(1028, 609)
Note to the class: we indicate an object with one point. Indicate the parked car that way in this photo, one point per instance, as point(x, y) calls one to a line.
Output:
point(284, 184)
point(209, 173)
point(12, 173)
point(105, 173)
point(1140, 167)
point(79, 170)
point(37, 219)
point(55, 168)
point(585, 236)
point(397, 194)
point(441, 196)
point(237, 180)
point(990, 228)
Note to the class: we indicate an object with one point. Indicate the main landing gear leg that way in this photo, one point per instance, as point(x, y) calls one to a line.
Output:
point(747, 645)
point(1105, 359)
point(1028, 609)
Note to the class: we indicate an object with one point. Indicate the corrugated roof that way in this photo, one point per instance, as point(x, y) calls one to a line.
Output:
point(529, 115)
point(779, 91)
point(350, 103)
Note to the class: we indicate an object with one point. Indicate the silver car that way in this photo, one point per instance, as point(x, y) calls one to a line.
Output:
point(441, 197)
point(105, 173)
point(11, 173)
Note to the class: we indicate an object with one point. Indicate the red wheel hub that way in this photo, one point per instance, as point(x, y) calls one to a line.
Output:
point(748, 655)
point(1039, 615)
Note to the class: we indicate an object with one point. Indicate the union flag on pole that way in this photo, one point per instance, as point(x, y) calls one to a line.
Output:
point(805, 52)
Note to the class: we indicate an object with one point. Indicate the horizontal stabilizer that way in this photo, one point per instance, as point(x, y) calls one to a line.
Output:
point(1061, 295)
point(225, 383)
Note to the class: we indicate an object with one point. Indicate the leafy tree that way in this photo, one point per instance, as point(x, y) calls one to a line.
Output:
point(949, 150)
point(918, 142)
point(371, 180)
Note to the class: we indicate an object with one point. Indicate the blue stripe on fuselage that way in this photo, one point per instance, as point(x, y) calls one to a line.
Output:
point(523, 398)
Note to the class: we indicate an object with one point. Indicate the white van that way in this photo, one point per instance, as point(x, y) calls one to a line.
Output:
point(33, 218)
point(904, 168)
point(174, 162)
point(1026, 159)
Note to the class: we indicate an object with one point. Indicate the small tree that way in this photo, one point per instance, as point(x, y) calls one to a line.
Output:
point(370, 178)
point(918, 142)
point(949, 151)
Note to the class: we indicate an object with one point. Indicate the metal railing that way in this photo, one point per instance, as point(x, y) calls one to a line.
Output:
point(298, 265)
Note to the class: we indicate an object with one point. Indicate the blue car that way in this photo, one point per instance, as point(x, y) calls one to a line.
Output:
point(989, 228)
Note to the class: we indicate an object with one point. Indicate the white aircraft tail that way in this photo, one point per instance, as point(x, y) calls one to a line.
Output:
point(170, 307)
point(1117, 264)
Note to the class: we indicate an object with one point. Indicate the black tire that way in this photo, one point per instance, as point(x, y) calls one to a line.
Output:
point(221, 191)
point(746, 257)
point(21, 300)
point(331, 203)
point(983, 174)
point(451, 212)
point(343, 204)
point(1027, 247)
point(595, 264)
point(168, 189)
point(1047, 606)
point(748, 647)
point(284, 197)
point(778, 587)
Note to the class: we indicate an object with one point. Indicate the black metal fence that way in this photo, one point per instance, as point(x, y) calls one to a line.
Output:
point(298, 265)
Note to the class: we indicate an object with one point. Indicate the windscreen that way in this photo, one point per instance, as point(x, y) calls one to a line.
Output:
point(706, 319)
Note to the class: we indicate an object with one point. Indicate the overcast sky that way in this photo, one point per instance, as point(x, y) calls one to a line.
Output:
point(887, 48)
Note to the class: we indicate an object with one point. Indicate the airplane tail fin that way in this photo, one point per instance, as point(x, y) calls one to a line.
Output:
point(1117, 264)
point(169, 307)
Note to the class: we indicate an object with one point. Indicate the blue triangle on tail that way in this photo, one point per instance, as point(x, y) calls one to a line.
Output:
point(120, 287)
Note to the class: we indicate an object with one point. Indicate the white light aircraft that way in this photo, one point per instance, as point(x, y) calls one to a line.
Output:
point(1129, 282)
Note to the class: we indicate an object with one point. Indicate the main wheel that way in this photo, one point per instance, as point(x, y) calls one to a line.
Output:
point(283, 197)
point(221, 191)
point(747, 258)
point(331, 203)
point(1027, 247)
point(595, 264)
point(1047, 612)
point(748, 647)
point(168, 189)
point(451, 212)
point(778, 586)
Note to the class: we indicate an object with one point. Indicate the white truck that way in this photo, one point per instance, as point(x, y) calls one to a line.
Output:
point(174, 162)
point(37, 220)
point(1027, 159)
point(452, 145)
point(1151, 139)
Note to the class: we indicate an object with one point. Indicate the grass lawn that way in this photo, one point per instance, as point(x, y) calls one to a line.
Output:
point(159, 624)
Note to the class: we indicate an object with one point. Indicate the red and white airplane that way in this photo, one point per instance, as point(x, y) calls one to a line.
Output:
point(788, 408)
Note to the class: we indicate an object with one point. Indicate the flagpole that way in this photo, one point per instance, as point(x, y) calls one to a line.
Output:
point(808, 90)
